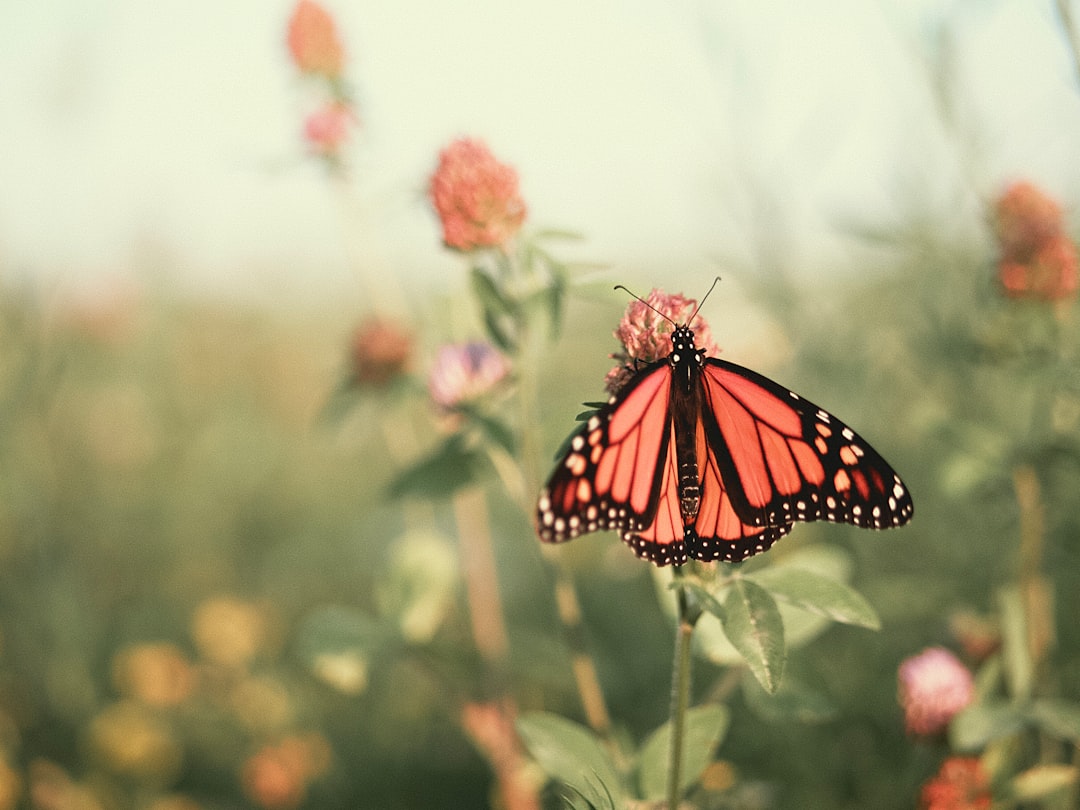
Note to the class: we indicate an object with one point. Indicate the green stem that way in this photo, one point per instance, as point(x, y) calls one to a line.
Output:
point(680, 687)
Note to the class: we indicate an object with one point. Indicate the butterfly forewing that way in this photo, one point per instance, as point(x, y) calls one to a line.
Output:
point(610, 477)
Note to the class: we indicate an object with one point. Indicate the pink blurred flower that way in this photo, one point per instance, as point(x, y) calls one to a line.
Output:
point(476, 197)
point(933, 687)
point(327, 129)
point(646, 335)
point(960, 784)
point(313, 40)
point(463, 373)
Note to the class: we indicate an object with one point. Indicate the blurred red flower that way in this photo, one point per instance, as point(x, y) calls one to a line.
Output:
point(380, 352)
point(1025, 217)
point(327, 129)
point(645, 333)
point(277, 776)
point(476, 197)
point(960, 784)
point(1050, 274)
point(1038, 260)
point(313, 40)
point(933, 687)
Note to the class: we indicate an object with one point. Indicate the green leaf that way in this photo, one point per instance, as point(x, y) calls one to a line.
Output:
point(557, 233)
point(489, 295)
point(794, 702)
point(1019, 669)
point(754, 627)
point(1042, 782)
point(500, 332)
point(1058, 718)
point(571, 754)
point(449, 468)
point(416, 587)
point(556, 297)
point(704, 598)
point(340, 402)
point(705, 728)
point(339, 644)
point(491, 427)
point(982, 723)
point(818, 594)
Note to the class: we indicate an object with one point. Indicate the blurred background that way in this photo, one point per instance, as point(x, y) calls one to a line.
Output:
point(216, 588)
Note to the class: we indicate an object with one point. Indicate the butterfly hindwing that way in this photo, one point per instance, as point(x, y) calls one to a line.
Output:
point(719, 533)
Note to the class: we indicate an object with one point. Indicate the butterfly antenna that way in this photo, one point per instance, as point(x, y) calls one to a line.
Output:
point(646, 303)
point(702, 301)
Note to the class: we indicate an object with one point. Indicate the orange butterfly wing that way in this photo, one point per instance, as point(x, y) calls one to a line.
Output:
point(611, 475)
point(784, 459)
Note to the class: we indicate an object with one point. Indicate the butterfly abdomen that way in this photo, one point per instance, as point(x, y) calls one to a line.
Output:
point(686, 362)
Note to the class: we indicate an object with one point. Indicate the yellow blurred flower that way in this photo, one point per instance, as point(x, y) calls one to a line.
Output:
point(176, 802)
point(229, 631)
point(10, 786)
point(51, 788)
point(129, 739)
point(158, 674)
point(261, 703)
point(345, 671)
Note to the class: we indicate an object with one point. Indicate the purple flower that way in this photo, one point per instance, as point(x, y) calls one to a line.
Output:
point(465, 372)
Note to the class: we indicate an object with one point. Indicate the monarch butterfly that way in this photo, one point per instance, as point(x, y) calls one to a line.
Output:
point(696, 457)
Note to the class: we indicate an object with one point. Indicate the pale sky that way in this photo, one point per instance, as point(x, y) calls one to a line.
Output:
point(674, 136)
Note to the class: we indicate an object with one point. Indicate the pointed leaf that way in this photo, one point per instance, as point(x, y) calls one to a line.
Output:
point(982, 723)
point(449, 468)
point(571, 754)
point(1059, 718)
point(492, 428)
point(794, 702)
point(753, 625)
point(705, 599)
point(557, 233)
point(1019, 669)
point(705, 727)
point(818, 594)
point(1042, 782)
point(488, 294)
point(556, 296)
point(500, 331)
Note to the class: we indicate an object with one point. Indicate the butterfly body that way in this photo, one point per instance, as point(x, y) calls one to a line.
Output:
point(699, 458)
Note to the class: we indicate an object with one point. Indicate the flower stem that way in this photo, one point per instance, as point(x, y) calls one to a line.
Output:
point(567, 603)
point(481, 576)
point(680, 687)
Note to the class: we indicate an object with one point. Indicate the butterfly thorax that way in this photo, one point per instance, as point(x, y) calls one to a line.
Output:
point(686, 361)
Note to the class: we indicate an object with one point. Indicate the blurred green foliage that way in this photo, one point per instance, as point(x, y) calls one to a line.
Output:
point(207, 594)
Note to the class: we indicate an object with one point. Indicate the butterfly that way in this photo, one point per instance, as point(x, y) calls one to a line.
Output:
point(697, 457)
